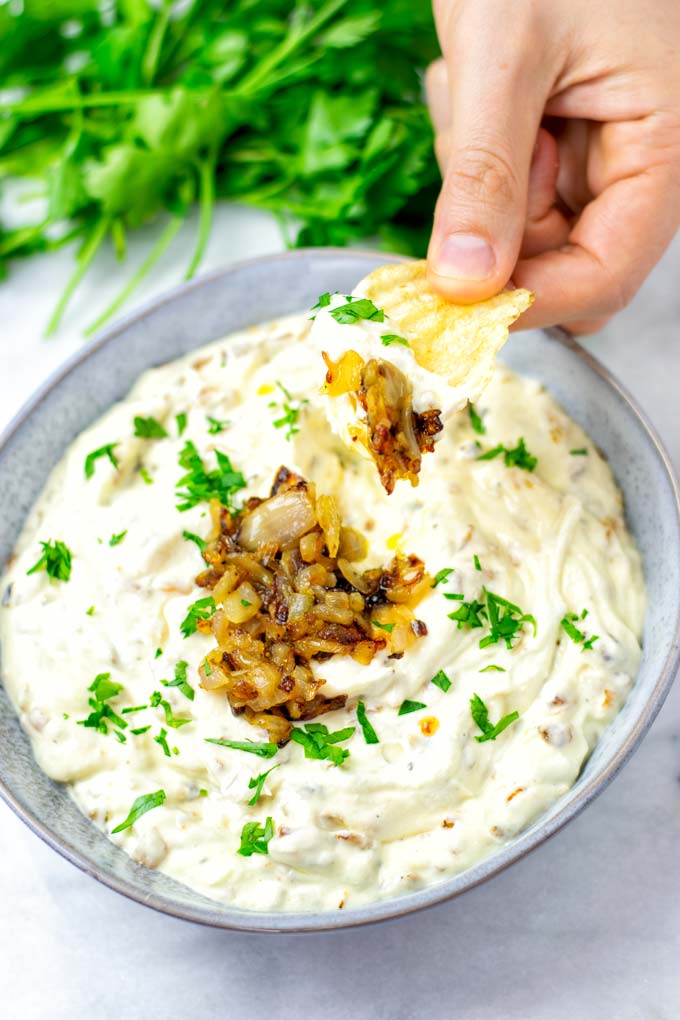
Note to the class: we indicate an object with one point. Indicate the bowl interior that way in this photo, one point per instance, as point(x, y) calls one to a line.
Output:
point(245, 295)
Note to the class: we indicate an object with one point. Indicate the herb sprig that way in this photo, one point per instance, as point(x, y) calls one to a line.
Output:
point(56, 561)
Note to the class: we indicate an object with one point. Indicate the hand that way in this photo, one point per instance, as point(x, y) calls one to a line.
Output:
point(558, 136)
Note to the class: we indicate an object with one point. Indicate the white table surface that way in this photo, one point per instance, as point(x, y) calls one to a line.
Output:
point(587, 926)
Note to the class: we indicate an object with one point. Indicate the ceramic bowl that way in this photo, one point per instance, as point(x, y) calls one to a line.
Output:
point(243, 295)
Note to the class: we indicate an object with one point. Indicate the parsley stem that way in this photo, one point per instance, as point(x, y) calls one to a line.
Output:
point(153, 256)
point(206, 184)
point(85, 256)
point(155, 42)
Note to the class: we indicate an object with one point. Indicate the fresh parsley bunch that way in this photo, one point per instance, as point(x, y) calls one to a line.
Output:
point(129, 111)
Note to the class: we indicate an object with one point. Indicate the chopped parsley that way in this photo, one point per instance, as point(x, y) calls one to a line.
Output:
point(90, 611)
point(394, 338)
point(568, 624)
point(478, 565)
point(262, 750)
point(323, 302)
point(198, 485)
point(245, 603)
point(56, 561)
point(318, 743)
point(103, 451)
point(181, 421)
point(441, 681)
point(162, 741)
point(102, 689)
point(148, 428)
point(257, 783)
point(157, 654)
point(370, 736)
point(389, 627)
point(145, 476)
point(476, 420)
point(215, 425)
point(196, 539)
point(503, 618)
point(355, 310)
point(174, 721)
point(117, 539)
point(291, 412)
point(518, 456)
point(492, 669)
point(442, 576)
point(407, 707)
point(140, 730)
point(181, 681)
point(202, 609)
point(480, 715)
point(255, 838)
point(202, 793)
point(133, 708)
point(579, 453)
point(145, 803)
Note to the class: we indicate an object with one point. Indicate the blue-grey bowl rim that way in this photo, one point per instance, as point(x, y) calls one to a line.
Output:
point(381, 910)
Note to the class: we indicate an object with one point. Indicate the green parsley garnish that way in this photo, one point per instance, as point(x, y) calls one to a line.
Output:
point(480, 714)
point(291, 412)
point(578, 636)
point(407, 707)
point(145, 476)
point(318, 743)
point(476, 420)
point(133, 708)
point(503, 618)
point(355, 310)
point(117, 539)
point(255, 838)
point(442, 576)
point(196, 539)
point(579, 453)
point(162, 741)
point(140, 730)
point(56, 561)
point(181, 681)
point(181, 421)
point(370, 736)
point(389, 627)
point(148, 428)
point(262, 750)
point(202, 609)
point(394, 338)
point(492, 669)
point(518, 456)
point(120, 736)
point(215, 425)
point(441, 681)
point(102, 689)
point(145, 803)
point(198, 485)
point(174, 721)
point(202, 793)
point(478, 565)
point(323, 302)
point(257, 783)
point(103, 451)
point(90, 611)
point(157, 654)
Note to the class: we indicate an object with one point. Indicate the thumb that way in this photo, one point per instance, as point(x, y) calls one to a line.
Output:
point(496, 108)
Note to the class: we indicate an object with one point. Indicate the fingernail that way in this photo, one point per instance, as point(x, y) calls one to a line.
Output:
point(465, 257)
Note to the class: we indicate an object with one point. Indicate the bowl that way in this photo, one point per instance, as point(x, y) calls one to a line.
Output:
point(243, 295)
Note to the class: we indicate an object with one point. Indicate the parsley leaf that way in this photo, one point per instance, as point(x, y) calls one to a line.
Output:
point(103, 451)
point(480, 715)
point(200, 485)
point(142, 804)
point(568, 624)
point(579, 453)
point(407, 707)
point(518, 456)
point(181, 422)
point(291, 412)
point(196, 539)
point(202, 609)
point(389, 627)
point(162, 741)
point(370, 736)
point(215, 425)
point(476, 420)
point(257, 783)
point(262, 750)
point(442, 576)
point(56, 561)
point(318, 743)
point(441, 681)
point(394, 338)
point(255, 838)
point(175, 722)
point(503, 618)
point(103, 688)
point(323, 302)
point(478, 565)
point(148, 428)
point(181, 681)
point(357, 310)
point(145, 476)
point(117, 539)
point(492, 668)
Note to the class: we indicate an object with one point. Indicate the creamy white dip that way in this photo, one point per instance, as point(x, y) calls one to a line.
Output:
point(428, 800)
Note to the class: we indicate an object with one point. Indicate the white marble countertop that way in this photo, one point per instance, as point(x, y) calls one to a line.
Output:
point(587, 926)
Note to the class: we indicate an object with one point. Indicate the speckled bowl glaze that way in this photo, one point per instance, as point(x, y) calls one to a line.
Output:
point(243, 295)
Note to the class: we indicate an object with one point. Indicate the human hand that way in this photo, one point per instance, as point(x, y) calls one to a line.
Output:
point(558, 136)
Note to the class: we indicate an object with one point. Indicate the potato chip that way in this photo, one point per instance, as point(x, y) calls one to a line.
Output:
point(459, 342)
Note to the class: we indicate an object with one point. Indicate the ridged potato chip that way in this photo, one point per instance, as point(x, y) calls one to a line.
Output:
point(459, 342)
